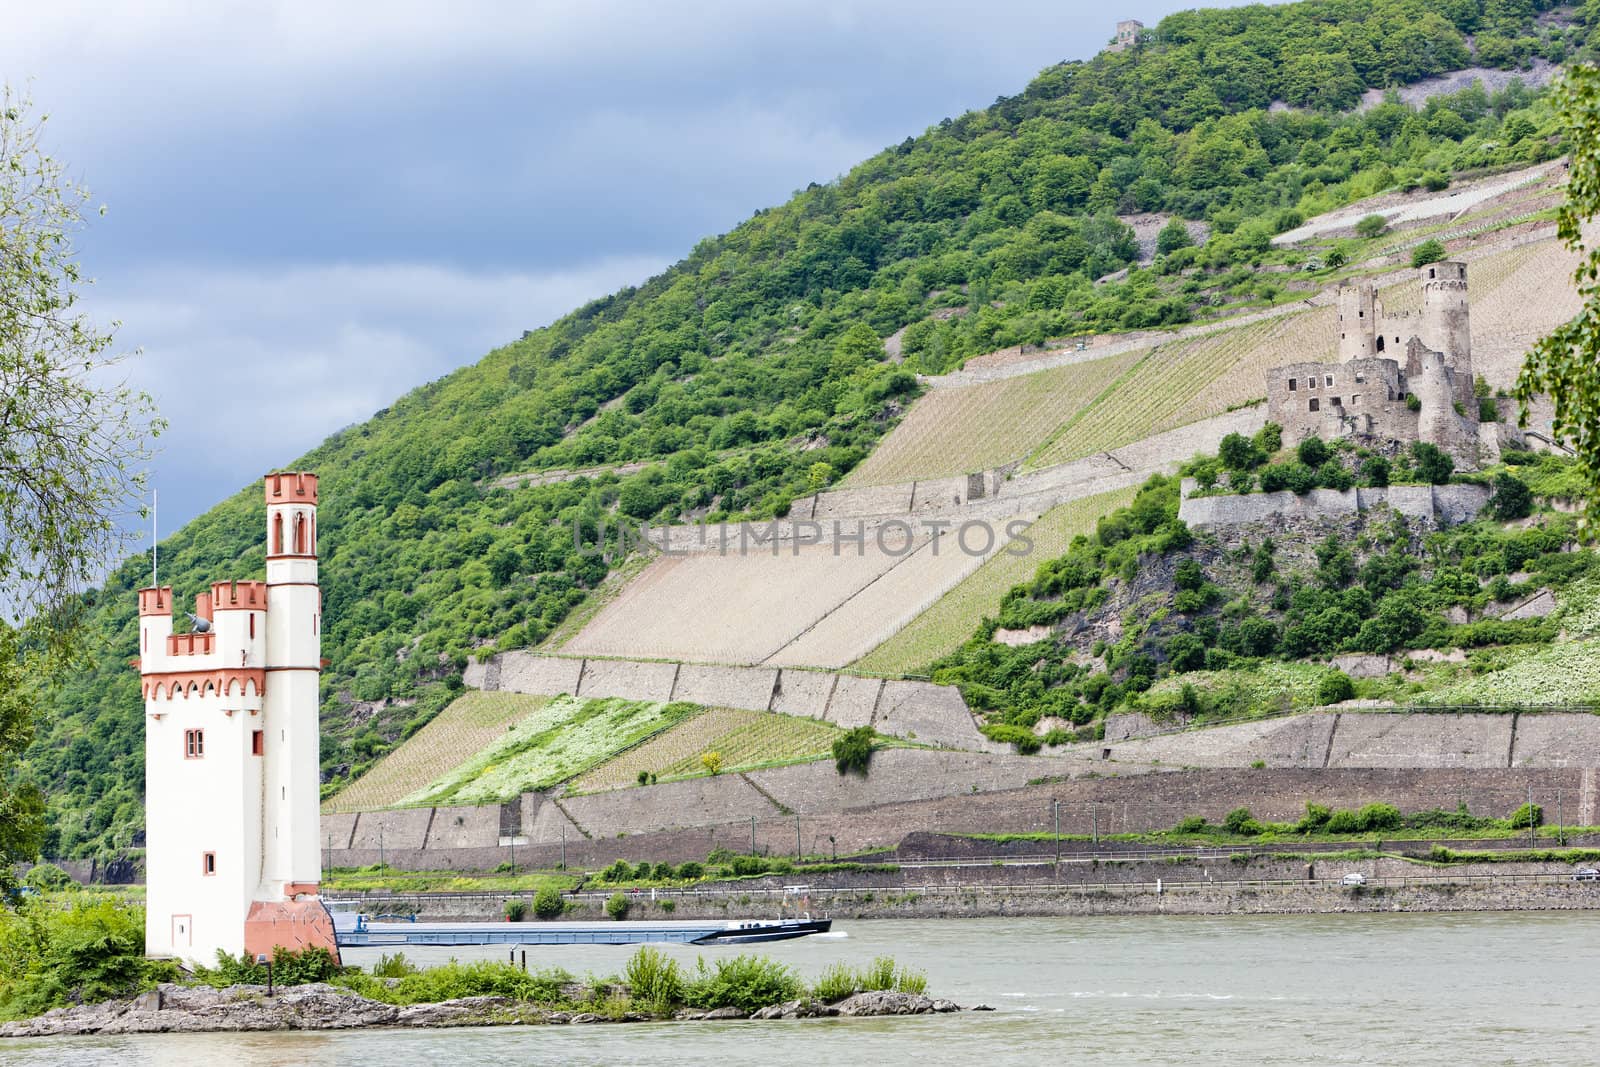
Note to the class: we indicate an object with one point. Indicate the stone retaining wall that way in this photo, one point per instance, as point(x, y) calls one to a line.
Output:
point(1446, 505)
point(931, 714)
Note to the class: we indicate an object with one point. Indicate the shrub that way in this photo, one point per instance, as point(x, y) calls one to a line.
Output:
point(619, 871)
point(1239, 453)
point(712, 762)
point(617, 906)
point(743, 982)
point(1429, 251)
point(1432, 463)
point(1335, 686)
point(835, 983)
point(1487, 411)
point(396, 966)
point(1376, 471)
point(661, 872)
point(654, 980)
point(548, 903)
point(690, 871)
point(1511, 500)
point(47, 877)
point(516, 910)
point(852, 751)
point(1527, 815)
point(1191, 824)
point(1269, 438)
point(89, 951)
point(1313, 451)
point(1372, 226)
point(1240, 821)
point(451, 980)
point(1010, 734)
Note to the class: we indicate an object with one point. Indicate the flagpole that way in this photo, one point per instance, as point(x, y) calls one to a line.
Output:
point(155, 504)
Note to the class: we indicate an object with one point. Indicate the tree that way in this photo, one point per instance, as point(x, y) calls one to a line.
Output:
point(1429, 251)
point(1432, 464)
point(852, 751)
point(1511, 499)
point(1566, 364)
point(1173, 236)
point(70, 446)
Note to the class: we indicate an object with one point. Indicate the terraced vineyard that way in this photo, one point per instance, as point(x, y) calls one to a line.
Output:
point(976, 427)
point(1185, 381)
point(955, 616)
point(744, 740)
point(564, 738)
point(455, 735)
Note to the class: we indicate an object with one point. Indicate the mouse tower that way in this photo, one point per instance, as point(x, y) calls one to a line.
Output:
point(232, 768)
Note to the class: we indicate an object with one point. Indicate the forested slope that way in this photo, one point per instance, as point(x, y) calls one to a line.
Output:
point(753, 370)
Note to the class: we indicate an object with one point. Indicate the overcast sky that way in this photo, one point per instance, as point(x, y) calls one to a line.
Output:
point(367, 195)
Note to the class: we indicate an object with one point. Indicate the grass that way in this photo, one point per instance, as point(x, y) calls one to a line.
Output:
point(954, 617)
point(471, 722)
point(1560, 674)
point(960, 429)
point(565, 738)
point(744, 739)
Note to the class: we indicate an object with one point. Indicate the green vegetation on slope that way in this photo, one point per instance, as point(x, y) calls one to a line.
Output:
point(752, 371)
point(452, 737)
point(1148, 615)
point(565, 737)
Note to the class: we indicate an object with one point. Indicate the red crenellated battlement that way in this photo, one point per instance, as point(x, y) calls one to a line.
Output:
point(239, 596)
point(292, 487)
point(156, 600)
point(191, 644)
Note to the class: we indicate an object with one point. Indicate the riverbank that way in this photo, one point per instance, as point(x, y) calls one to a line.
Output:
point(173, 1008)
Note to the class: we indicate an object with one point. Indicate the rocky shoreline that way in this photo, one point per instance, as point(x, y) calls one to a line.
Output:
point(173, 1008)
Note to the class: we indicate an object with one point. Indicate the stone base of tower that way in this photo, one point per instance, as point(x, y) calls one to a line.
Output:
point(290, 924)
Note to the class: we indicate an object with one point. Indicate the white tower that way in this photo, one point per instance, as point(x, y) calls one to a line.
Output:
point(231, 753)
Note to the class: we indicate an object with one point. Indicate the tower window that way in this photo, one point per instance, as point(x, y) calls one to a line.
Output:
point(252, 626)
point(1294, 383)
point(1336, 403)
point(194, 744)
point(1311, 382)
point(1330, 381)
point(208, 863)
point(258, 743)
point(1431, 272)
point(1314, 404)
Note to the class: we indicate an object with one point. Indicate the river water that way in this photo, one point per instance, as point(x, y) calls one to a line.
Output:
point(1406, 989)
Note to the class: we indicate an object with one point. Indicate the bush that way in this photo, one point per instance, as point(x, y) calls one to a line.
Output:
point(1526, 816)
point(1429, 251)
point(743, 982)
point(690, 871)
point(396, 966)
point(1372, 226)
point(1335, 687)
point(47, 877)
point(619, 871)
point(516, 910)
point(548, 903)
point(1376, 471)
point(1313, 452)
point(1487, 411)
point(88, 951)
point(617, 906)
point(654, 981)
point(1009, 734)
point(840, 980)
point(712, 762)
point(1511, 500)
point(1432, 463)
point(1240, 821)
point(1191, 824)
point(852, 751)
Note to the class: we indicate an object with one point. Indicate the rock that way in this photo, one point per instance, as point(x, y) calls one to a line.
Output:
point(776, 1011)
point(586, 1017)
point(944, 1007)
point(558, 1017)
point(726, 1013)
point(464, 1011)
point(981, 1007)
point(885, 1002)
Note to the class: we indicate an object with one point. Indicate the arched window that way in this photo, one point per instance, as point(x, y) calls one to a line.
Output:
point(1380, 343)
point(277, 534)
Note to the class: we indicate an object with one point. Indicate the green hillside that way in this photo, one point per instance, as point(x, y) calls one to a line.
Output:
point(753, 371)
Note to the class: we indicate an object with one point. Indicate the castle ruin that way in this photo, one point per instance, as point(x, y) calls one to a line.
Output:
point(1400, 376)
point(1128, 31)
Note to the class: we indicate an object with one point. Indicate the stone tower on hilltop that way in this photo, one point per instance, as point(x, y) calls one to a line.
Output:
point(232, 766)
